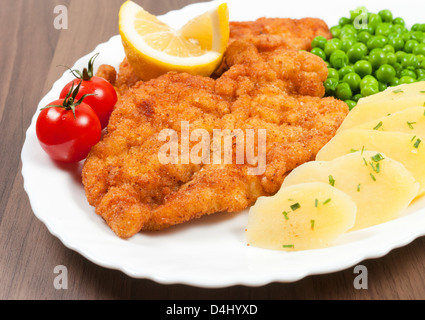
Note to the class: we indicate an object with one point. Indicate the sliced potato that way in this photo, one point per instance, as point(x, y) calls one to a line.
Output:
point(408, 149)
point(386, 102)
point(410, 120)
point(300, 217)
point(382, 188)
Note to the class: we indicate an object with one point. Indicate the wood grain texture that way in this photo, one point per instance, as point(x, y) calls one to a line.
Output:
point(31, 49)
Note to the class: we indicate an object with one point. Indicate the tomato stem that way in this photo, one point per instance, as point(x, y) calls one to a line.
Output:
point(69, 101)
point(87, 73)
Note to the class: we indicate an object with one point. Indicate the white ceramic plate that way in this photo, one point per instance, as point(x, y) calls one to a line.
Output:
point(210, 252)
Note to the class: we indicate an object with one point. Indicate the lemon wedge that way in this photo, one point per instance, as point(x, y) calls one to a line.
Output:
point(153, 48)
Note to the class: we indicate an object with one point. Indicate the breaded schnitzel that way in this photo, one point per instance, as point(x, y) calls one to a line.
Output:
point(280, 91)
point(265, 33)
point(272, 33)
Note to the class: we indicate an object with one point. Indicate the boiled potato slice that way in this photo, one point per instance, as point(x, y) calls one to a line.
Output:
point(382, 188)
point(300, 217)
point(405, 148)
point(410, 120)
point(381, 104)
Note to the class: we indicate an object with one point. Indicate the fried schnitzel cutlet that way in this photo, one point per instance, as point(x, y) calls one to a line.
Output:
point(265, 33)
point(279, 90)
point(273, 33)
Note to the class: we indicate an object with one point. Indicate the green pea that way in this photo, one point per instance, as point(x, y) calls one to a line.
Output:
point(348, 33)
point(422, 27)
point(363, 68)
point(421, 78)
point(348, 27)
point(400, 55)
point(330, 86)
point(369, 90)
point(335, 31)
point(399, 20)
point(410, 45)
point(420, 57)
point(319, 42)
point(395, 82)
point(377, 59)
point(353, 80)
point(388, 48)
point(397, 43)
point(386, 73)
point(386, 15)
point(345, 70)
point(338, 59)
point(398, 68)
point(343, 91)
point(407, 79)
point(399, 28)
point(357, 97)
point(416, 27)
point(319, 52)
point(367, 81)
point(377, 42)
point(418, 36)
point(347, 43)
point(419, 49)
point(333, 73)
point(357, 52)
point(408, 73)
point(406, 35)
point(391, 57)
point(374, 21)
point(420, 73)
point(332, 45)
point(410, 61)
point(383, 29)
point(343, 21)
point(364, 36)
point(382, 86)
point(351, 104)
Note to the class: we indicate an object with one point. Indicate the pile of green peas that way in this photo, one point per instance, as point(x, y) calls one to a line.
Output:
point(364, 59)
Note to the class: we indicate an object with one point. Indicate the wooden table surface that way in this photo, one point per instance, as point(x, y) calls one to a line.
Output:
point(31, 48)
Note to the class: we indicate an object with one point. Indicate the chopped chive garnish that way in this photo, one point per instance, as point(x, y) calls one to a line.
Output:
point(316, 202)
point(327, 201)
point(362, 150)
point(285, 214)
point(416, 145)
point(312, 224)
point(398, 91)
point(290, 199)
point(413, 138)
point(373, 177)
point(378, 126)
point(358, 187)
point(365, 162)
point(295, 206)
point(353, 150)
point(288, 246)
point(374, 167)
point(422, 91)
point(410, 124)
point(331, 181)
point(377, 157)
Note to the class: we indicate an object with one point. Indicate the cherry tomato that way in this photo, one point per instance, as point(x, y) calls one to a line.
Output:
point(67, 130)
point(104, 96)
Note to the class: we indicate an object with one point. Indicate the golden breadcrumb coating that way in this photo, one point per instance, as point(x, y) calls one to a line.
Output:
point(279, 91)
